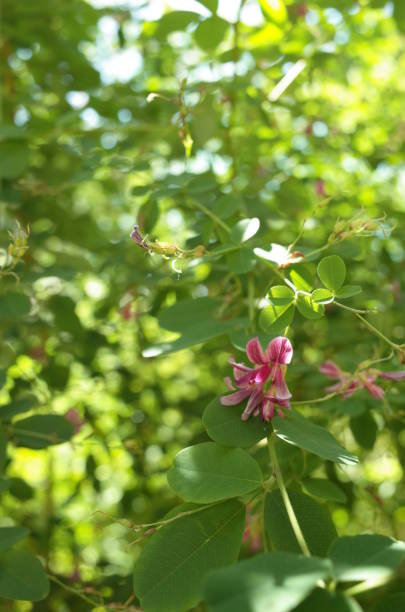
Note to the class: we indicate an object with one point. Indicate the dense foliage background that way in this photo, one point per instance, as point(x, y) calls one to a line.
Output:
point(169, 116)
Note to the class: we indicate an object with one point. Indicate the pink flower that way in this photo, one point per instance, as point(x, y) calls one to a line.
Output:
point(250, 382)
point(74, 417)
point(362, 379)
point(136, 237)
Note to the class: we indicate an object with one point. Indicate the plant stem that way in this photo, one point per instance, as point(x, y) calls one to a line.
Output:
point(251, 300)
point(210, 214)
point(73, 590)
point(367, 585)
point(377, 332)
point(350, 309)
point(318, 400)
point(288, 506)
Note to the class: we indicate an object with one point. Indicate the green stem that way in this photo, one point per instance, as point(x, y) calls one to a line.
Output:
point(350, 309)
point(251, 300)
point(210, 214)
point(367, 585)
point(318, 400)
point(288, 506)
point(73, 590)
point(377, 332)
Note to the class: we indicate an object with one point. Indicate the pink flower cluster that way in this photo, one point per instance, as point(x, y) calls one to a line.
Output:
point(270, 365)
point(365, 379)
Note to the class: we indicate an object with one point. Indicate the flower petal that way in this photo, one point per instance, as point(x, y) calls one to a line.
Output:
point(262, 374)
point(255, 352)
point(235, 398)
point(228, 383)
point(331, 369)
point(375, 390)
point(267, 410)
point(254, 400)
point(280, 350)
point(393, 375)
point(281, 389)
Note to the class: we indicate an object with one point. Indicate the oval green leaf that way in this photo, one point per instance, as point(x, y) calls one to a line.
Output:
point(322, 296)
point(348, 291)
point(274, 319)
point(309, 309)
point(224, 425)
point(208, 472)
point(280, 295)
point(244, 230)
point(332, 272)
point(324, 489)
point(42, 430)
point(22, 577)
point(366, 557)
point(297, 430)
point(11, 535)
point(276, 581)
point(170, 573)
point(315, 522)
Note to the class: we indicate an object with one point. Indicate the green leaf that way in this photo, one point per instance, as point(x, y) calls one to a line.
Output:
point(14, 159)
point(302, 277)
point(170, 573)
point(280, 295)
point(42, 430)
point(211, 32)
point(348, 291)
point(174, 21)
point(211, 5)
point(364, 429)
point(308, 308)
point(228, 204)
point(296, 429)
point(241, 261)
point(392, 602)
point(183, 316)
point(321, 600)
point(322, 296)
point(366, 557)
point(244, 230)
point(17, 407)
point(274, 319)
point(208, 472)
point(275, 581)
point(4, 484)
point(316, 524)
point(22, 577)
point(10, 536)
point(224, 425)
point(332, 272)
point(324, 489)
point(14, 306)
point(274, 10)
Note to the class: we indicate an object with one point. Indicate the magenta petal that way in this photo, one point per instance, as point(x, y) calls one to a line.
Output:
point(254, 400)
point(330, 369)
point(281, 388)
point(375, 390)
point(392, 375)
point(235, 398)
point(228, 383)
point(262, 374)
point(255, 352)
point(267, 411)
point(280, 350)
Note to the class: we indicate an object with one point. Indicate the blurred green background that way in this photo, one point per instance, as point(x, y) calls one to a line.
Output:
point(167, 113)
